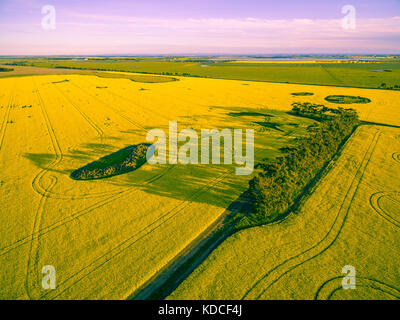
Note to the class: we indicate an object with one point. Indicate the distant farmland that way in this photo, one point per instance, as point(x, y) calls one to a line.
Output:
point(360, 74)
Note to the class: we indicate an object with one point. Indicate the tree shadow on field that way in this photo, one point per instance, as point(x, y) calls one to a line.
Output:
point(74, 158)
point(270, 125)
point(209, 184)
point(217, 184)
point(43, 161)
point(264, 119)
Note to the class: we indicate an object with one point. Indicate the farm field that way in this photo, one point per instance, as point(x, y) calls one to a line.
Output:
point(53, 124)
point(199, 151)
point(351, 218)
point(18, 71)
point(371, 74)
point(107, 237)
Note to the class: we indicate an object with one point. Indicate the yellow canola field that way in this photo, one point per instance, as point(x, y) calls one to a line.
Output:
point(351, 219)
point(107, 238)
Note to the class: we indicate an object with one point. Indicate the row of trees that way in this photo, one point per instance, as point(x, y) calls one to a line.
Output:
point(281, 181)
point(5, 69)
point(17, 63)
point(387, 87)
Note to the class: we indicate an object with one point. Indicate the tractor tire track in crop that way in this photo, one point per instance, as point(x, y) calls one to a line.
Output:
point(32, 271)
point(32, 266)
point(126, 244)
point(37, 185)
point(339, 82)
point(45, 192)
point(39, 213)
point(394, 196)
point(6, 118)
point(78, 214)
point(275, 274)
point(150, 112)
point(54, 143)
point(91, 123)
point(36, 231)
point(376, 200)
point(118, 112)
point(331, 286)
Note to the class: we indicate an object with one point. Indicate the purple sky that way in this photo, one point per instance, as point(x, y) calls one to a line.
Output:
point(99, 27)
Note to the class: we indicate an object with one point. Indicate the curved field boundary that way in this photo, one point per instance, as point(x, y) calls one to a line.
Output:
point(375, 204)
point(120, 248)
point(331, 286)
point(6, 118)
point(136, 77)
point(275, 274)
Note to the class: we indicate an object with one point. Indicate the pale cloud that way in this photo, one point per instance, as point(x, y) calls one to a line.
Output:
point(323, 27)
point(83, 33)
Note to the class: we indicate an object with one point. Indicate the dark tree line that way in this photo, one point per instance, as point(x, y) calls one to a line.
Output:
point(5, 69)
point(388, 87)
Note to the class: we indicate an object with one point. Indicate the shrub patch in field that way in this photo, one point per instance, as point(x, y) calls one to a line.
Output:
point(6, 69)
point(302, 94)
point(122, 161)
point(346, 99)
point(61, 81)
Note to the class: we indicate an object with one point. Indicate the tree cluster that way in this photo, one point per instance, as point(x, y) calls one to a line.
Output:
point(280, 182)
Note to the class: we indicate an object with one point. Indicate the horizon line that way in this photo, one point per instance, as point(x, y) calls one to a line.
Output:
point(266, 55)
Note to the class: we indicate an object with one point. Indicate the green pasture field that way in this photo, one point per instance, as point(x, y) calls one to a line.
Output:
point(335, 74)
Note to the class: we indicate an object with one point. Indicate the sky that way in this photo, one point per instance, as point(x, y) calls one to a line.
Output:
point(213, 27)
